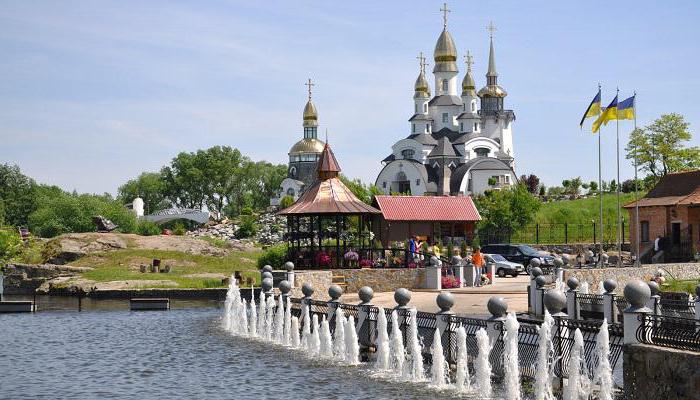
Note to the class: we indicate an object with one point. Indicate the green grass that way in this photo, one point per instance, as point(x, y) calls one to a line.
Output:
point(220, 243)
point(680, 285)
point(123, 265)
point(578, 215)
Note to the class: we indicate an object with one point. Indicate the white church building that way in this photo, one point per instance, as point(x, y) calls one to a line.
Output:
point(459, 143)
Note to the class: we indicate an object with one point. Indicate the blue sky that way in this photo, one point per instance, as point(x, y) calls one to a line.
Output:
point(94, 92)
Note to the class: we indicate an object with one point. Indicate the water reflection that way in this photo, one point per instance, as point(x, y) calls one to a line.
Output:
point(67, 303)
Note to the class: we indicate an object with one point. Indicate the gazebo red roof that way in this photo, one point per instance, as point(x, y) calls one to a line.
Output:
point(329, 195)
point(428, 208)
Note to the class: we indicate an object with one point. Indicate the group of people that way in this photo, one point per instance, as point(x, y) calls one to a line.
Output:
point(415, 245)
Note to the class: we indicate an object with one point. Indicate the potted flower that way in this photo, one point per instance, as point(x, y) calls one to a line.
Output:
point(323, 259)
point(365, 263)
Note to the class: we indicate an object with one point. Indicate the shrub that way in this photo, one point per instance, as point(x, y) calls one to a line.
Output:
point(248, 227)
point(179, 228)
point(274, 255)
point(10, 245)
point(148, 228)
point(286, 201)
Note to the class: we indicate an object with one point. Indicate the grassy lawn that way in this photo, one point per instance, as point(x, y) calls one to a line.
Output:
point(579, 215)
point(681, 286)
point(124, 265)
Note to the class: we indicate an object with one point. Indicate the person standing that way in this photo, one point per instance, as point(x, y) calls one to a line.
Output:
point(478, 261)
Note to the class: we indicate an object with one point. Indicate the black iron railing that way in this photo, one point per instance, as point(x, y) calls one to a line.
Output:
point(679, 308)
point(660, 330)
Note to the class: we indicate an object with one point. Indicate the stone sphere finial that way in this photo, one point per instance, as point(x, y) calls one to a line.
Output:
point(555, 301)
point(289, 266)
point(266, 275)
point(610, 285)
point(402, 296)
point(285, 287)
point(535, 272)
point(540, 281)
point(335, 291)
point(266, 284)
point(535, 263)
point(572, 283)
point(445, 300)
point(307, 289)
point(497, 306)
point(653, 287)
point(637, 294)
point(366, 294)
point(267, 268)
point(558, 262)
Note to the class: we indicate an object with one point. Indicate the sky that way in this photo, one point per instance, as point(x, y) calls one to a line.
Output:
point(92, 93)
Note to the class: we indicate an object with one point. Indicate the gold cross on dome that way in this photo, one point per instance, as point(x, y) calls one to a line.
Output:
point(421, 61)
point(444, 10)
point(491, 28)
point(309, 84)
point(469, 60)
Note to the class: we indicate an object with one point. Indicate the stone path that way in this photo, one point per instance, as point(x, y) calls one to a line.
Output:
point(468, 301)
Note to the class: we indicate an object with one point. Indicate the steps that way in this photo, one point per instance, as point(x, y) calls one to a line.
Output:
point(340, 281)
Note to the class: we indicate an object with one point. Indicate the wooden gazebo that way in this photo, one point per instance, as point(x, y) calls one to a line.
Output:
point(328, 223)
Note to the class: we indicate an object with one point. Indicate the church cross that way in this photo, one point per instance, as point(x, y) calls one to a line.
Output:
point(310, 85)
point(469, 60)
point(491, 28)
point(444, 10)
point(421, 61)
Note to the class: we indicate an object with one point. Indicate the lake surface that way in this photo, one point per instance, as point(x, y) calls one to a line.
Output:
point(110, 353)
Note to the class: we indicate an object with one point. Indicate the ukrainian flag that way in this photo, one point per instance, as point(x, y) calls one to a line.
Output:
point(609, 114)
point(593, 109)
point(625, 109)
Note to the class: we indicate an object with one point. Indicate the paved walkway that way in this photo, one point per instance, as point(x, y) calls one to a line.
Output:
point(468, 301)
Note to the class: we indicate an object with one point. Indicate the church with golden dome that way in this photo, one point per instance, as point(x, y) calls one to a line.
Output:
point(459, 144)
point(303, 157)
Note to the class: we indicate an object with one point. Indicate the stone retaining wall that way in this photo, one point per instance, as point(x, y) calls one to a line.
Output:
point(653, 373)
point(384, 279)
point(320, 280)
point(623, 275)
point(26, 278)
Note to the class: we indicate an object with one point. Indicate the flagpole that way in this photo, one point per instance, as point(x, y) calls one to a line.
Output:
point(600, 193)
point(637, 261)
point(619, 214)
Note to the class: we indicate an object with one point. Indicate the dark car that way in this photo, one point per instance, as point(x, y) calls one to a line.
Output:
point(519, 253)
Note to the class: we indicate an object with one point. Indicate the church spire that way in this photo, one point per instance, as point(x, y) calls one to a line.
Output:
point(491, 74)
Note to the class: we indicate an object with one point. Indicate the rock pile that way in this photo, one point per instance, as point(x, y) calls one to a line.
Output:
point(270, 230)
point(225, 230)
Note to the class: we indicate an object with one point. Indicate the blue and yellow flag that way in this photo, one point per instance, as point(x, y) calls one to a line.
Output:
point(609, 114)
point(593, 109)
point(626, 108)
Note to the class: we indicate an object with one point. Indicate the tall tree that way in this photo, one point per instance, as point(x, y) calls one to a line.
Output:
point(661, 146)
point(18, 194)
point(508, 209)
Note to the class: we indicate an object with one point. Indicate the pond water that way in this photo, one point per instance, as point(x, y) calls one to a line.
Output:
point(178, 354)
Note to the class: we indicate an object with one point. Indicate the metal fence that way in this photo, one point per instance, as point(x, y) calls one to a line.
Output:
point(660, 330)
point(554, 233)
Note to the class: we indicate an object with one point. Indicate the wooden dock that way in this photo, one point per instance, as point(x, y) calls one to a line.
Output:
point(20, 306)
point(143, 304)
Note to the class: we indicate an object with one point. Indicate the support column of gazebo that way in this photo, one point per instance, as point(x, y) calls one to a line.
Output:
point(328, 202)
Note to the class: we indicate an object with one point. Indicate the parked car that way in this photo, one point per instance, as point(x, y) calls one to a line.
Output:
point(519, 253)
point(503, 266)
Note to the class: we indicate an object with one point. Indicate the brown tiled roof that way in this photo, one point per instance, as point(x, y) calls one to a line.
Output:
point(329, 196)
point(681, 188)
point(327, 164)
point(428, 208)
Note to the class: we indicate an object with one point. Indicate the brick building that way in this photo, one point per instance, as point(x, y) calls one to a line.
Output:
point(670, 211)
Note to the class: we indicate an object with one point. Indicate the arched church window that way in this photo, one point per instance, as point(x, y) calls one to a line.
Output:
point(293, 172)
point(290, 192)
point(416, 108)
point(445, 85)
point(407, 154)
point(425, 108)
point(413, 128)
point(473, 106)
point(444, 118)
point(461, 126)
point(482, 151)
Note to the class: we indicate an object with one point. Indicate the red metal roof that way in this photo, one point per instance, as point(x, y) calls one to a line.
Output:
point(329, 196)
point(428, 208)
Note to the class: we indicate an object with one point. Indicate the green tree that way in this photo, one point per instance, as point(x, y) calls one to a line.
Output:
point(286, 201)
point(149, 186)
point(508, 209)
point(532, 182)
point(17, 195)
point(363, 192)
point(661, 146)
point(593, 185)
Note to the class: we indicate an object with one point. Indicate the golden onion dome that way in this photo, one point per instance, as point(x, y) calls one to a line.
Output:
point(492, 91)
point(310, 113)
point(468, 81)
point(422, 84)
point(307, 146)
point(445, 49)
